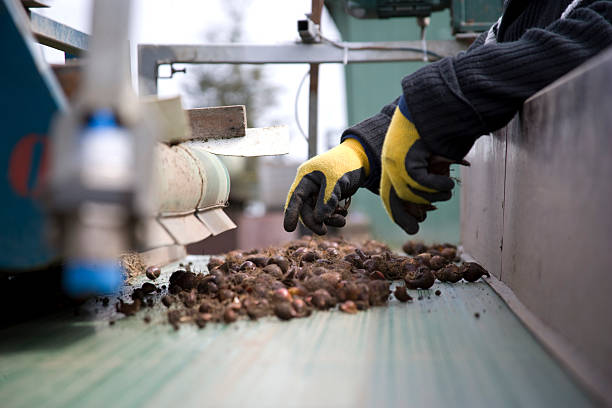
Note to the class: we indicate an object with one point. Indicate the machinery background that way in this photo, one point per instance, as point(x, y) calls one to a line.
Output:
point(27, 102)
point(25, 146)
point(532, 335)
point(466, 15)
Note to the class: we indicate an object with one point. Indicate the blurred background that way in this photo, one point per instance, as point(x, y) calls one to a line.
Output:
point(272, 95)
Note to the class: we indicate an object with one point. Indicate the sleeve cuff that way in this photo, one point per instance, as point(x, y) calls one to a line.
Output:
point(371, 183)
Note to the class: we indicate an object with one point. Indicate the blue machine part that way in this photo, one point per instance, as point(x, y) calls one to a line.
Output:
point(29, 96)
point(83, 277)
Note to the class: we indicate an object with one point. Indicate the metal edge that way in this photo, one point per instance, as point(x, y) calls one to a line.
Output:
point(21, 21)
point(57, 35)
point(185, 229)
point(163, 256)
point(254, 144)
point(150, 56)
point(216, 220)
point(585, 374)
point(237, 53)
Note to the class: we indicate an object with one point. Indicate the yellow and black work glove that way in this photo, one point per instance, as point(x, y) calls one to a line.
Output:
point(321, 183)
point(407, 187)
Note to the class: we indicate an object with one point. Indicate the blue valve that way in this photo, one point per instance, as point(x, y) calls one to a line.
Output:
point(83, 277)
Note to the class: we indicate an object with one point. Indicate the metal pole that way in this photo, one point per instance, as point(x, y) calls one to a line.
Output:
point(313, 104)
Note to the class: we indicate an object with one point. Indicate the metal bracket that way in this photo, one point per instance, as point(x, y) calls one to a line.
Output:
point(308, 31)
point(59, 36)
point(172, 72)
point(151, 56)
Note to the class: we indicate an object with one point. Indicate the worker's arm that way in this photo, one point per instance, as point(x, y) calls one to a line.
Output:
point(457, 99)
point(405, 175)
point(321, 183)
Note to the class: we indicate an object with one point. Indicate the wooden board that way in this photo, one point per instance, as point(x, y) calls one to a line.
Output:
point(224, 122)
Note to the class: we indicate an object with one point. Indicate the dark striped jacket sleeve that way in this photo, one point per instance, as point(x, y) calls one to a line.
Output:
point(455, 100)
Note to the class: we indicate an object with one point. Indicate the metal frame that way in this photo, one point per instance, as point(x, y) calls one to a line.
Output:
point(59, 36)
point(151, 56)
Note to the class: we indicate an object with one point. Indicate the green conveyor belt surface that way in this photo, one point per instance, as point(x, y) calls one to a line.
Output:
point(432, 352)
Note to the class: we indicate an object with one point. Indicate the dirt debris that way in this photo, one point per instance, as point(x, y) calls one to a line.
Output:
point(153, 272)
point(132, 263)
point(293, 280)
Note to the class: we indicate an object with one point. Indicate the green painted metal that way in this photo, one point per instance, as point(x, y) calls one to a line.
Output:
point(29, 97)
point(369, 87)
point(467, 16)
point(475, 15)
point(432, 352)
point(394, 8)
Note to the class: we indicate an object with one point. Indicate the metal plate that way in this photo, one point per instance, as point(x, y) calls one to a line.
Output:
point(156, 234)
point(266, 141)
point(185, 229)
point(216, 221)
point(482, 198)
point(28, 101)
point(554, 212)
point(557, 223)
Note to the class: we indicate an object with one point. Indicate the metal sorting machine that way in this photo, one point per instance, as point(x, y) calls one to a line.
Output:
point(115, 173)
point(168, 188)
point(144, 144)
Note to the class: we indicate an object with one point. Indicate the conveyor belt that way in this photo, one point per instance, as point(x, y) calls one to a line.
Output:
point(432, 352)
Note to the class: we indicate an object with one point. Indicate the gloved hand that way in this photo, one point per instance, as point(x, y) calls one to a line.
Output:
point(407, 186)
point(321, 183)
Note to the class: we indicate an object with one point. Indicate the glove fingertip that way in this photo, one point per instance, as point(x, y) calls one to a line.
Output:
point(412, 231)
point(409, 224)
point(321, 232)
point(443, 183)
point(289, 224)
point(291, 215)
point(336, 220)
point(447, 196)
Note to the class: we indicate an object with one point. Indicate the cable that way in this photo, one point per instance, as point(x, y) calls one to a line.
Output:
point(297, 97)
point(423, 22)
point(424, 43)
point(345, 47)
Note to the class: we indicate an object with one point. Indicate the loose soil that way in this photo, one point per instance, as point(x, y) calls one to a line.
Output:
point(293, 280)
